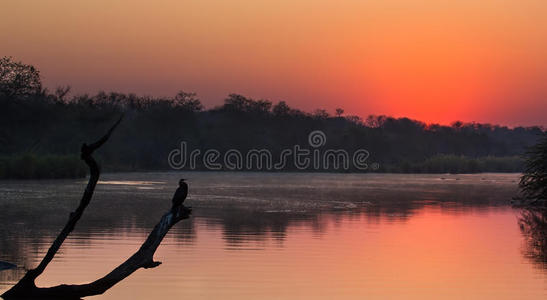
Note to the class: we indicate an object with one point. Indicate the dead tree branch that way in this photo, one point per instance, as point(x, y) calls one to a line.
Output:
point(143, 258)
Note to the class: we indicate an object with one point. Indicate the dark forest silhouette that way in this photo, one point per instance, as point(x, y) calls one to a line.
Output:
point(40, 130)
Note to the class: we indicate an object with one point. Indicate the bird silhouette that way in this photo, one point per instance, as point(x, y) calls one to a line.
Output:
point(180, 194)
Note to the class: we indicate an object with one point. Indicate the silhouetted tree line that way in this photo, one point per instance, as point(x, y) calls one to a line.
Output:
point(37, 123)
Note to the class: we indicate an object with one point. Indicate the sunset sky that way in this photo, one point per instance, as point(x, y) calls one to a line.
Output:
point(432, 60)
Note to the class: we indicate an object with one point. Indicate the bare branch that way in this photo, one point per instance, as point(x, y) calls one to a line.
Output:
point(27, 282)
point(143, 258)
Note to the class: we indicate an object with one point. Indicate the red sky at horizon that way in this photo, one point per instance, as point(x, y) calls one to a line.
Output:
point(433, 60)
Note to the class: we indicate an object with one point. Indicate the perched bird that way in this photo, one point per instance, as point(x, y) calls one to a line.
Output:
point(180, 194)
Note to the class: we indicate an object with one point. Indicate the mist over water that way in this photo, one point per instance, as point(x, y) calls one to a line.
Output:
point(283, 236)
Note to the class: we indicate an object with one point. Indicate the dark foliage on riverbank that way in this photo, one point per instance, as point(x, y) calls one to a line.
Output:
point(533, 184)
point(51, 128)
point(51, 125)
point(450, 163)
point(32, 166)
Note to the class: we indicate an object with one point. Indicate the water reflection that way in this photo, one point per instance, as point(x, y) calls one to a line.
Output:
point(533, 225)
point(285, 235)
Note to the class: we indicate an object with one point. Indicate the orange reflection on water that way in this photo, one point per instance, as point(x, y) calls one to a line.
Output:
point(433, 253)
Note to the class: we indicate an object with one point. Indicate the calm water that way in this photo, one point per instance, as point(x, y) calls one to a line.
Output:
point(284, 236)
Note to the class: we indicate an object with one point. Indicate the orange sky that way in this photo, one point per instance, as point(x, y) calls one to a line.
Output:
point(432, 60)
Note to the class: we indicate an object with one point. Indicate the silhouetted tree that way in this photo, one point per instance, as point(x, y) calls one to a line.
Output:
point(533, 184)
point(188, 101)
point(61, 92)
point(281, 109)
point(321, 114)
point(339, 112)
point(355, 120)
point(18, 79)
